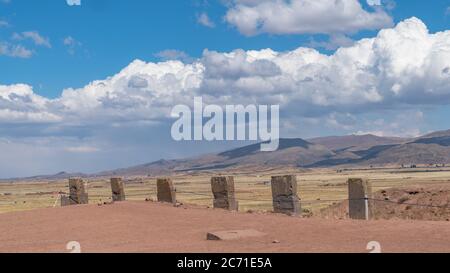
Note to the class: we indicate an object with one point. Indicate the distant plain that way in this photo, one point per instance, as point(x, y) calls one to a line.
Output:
point(318, 188)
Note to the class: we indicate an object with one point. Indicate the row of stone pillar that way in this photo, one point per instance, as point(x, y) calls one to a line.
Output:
point(78, 194)
point(284, 194)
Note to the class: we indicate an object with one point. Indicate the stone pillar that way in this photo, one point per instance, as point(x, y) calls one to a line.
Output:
point(359, 195)
point(65, 201)
point(78, 191)
point(224, 194)
point(118, 189)
point(284, 195)
point(166, 191)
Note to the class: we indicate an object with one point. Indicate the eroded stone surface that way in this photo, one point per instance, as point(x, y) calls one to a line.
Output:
point(224, 193)
point(233, 235)
point(78, 191)
point(118, 190)
point(65, 201)
point(166, 191)
point(284, 194)
point(359, 195)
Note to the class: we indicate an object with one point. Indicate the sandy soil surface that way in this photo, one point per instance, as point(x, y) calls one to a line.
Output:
point(153, 227)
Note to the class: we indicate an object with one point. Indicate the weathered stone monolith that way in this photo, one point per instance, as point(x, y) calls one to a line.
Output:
point(78, 192)
point(359, 195)
point(224, 194)
point(65, 200)
point(118, 189)
point(166, 191)
point(284, 194)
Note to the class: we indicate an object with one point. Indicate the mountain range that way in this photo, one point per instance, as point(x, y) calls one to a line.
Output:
point(324, 152)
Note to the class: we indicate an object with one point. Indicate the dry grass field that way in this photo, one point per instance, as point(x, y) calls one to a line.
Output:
point(318, 189)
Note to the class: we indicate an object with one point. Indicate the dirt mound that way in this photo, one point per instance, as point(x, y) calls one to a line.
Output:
point(152, 227)
point(412, 203)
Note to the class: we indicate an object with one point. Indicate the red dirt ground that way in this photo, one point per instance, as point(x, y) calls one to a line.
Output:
point(153, 227)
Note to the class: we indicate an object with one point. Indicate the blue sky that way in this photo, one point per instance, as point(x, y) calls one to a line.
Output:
point(113, 33)
point(382, 67)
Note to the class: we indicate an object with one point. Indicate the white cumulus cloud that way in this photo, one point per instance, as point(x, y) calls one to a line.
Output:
point(203, 19)
point(373, 85)
point(304, 16)
point(405, 65)
point(73, 2)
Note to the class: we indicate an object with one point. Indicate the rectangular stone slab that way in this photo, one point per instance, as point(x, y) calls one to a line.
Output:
point(233, 235)
point(65, 201)
point(78, 192)
point(358, 190)
point(284, 195)
point(166, 191)
point(224, 193)
point(284, 185)
point(118, 190)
